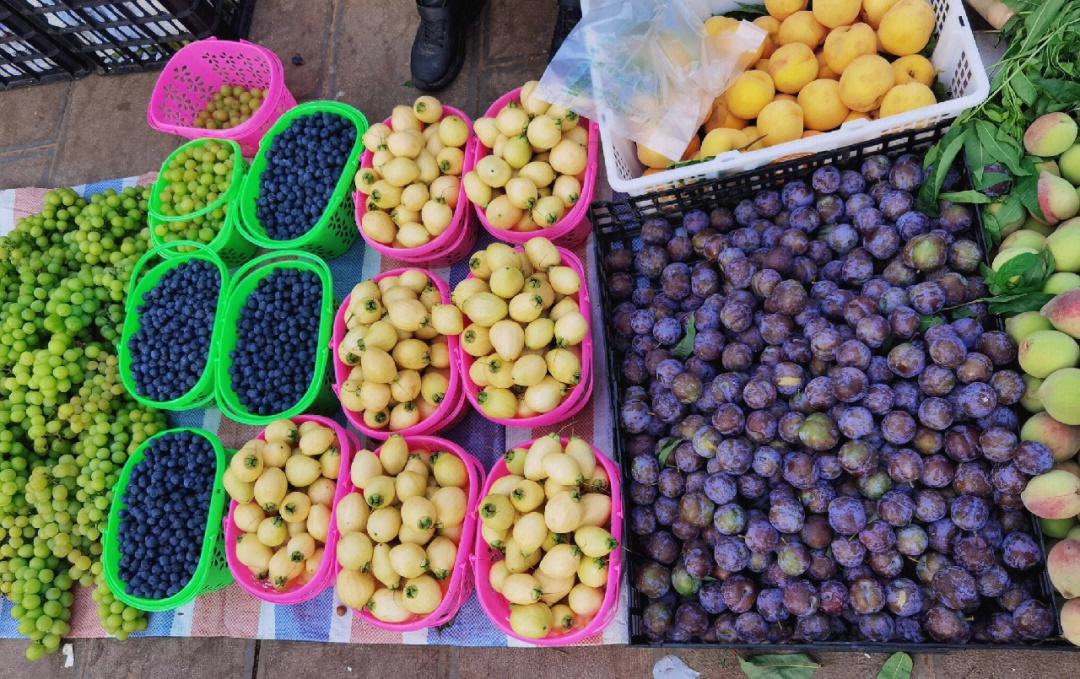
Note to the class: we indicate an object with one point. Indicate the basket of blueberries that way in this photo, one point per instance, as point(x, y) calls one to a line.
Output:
point(162, 545)
point(272, 355)
point(169, 327)
point(297, 192)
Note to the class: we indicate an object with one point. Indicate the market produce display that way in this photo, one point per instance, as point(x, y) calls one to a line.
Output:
point(536, 165)
point(524, 328)
point(818, 416)
point(164, 514)
point(412, 183)
point(549, 519)
point(276, 341)
point(230, 106)
point(817, 69)
point(303, 165)
point(170, 349)
point(400, 530)
point(284, 486)
point(397, 347)
point(68, 426)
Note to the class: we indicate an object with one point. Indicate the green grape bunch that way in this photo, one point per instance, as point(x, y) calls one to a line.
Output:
point(67, 426)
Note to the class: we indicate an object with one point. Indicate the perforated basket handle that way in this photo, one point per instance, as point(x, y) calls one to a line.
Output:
point(157, 251)
point(470, 460)
point(279, 255)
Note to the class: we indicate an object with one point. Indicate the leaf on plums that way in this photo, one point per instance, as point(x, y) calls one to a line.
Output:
point(963, 312)
point(926, 322)
point(1007, 305)
point(1023, 273)
point(685, 347)
point(794, 666)
point(938, 161)
point(667, 446)
point(1000, 148)
point(898, 666)
point(970, 196)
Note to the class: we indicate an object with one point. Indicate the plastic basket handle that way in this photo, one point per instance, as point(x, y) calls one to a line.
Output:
point(156, 251)
point(481, 476)
point(355, 440)
point(276, 255)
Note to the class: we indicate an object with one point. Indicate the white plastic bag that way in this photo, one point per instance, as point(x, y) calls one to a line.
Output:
point(646, 69)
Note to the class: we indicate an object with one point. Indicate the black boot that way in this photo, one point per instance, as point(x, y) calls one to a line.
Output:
point(439, 47)
point(569, 15)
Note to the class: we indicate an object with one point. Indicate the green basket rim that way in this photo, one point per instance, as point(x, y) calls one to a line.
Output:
point(132, 322)
point(211, 534)
point(227, 401)
point(234, 186)
point(229, 227)
point(249, 223)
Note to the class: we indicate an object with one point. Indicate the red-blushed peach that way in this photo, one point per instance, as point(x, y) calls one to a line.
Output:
point(1063, 440)
point(1053, 495)
point(1060, 395)
point(1070, 621)
point(1063, 566)
point(1050, 135)
point(1063, 312)
point(1058, 199)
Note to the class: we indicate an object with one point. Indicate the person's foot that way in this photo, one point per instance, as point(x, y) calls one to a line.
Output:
point(439, 47)
point(569, 15)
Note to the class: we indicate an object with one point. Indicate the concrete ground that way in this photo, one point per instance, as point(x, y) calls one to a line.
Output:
point(356, 51)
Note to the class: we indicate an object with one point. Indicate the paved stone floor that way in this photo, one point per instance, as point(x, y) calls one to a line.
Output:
point(356, 51)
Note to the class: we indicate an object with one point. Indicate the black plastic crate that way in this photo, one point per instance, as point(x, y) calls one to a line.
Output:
point(617, 225)
point(129, 36)
point(28, 57)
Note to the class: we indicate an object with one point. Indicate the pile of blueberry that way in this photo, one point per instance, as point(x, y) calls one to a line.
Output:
point(835, 455)
point(277, 334)
point(303, 165)
point(169, 350)
point(162, 527)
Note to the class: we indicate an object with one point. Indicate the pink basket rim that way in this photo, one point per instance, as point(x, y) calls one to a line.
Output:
point(273, 92)
point(481, 559)
point(577, 215)
point(578, 396)
point(438, 245)
point(453, 599)
point(442, 414)
point(320, 581)
point(446, 255)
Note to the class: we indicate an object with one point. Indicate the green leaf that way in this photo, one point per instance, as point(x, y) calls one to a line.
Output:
point(966, 197)
point(898, 666)
point(1027, 190)
point(926, 322)
point(1011, 210)
point(1003, 152)
point(667, 446)
point(1024, 88)
point(1015, 304)
point(1059, 89)
point(963, 312)
point(1021, 272)
point(988, 179)
point(1039, 21)
point(685, 347)
point(795, 666)
point(943, 154)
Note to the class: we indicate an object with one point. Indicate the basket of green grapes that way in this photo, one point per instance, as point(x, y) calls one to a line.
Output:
point(195, 199)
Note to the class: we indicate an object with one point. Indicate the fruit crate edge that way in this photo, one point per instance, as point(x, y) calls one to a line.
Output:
point(53, 63)
point(619, 221)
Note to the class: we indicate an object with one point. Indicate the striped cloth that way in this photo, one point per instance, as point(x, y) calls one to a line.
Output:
point(232, 612)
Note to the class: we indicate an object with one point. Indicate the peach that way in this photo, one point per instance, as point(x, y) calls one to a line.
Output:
point(1006, 227)
point(1042, 165)
point(1005, 254)
point(1053, 495)
point(714, 26)
point(821, 105)
point(1030, 400)
point(801, 27)
point(1045, 351)
point(1074, 532)
point(1060, 395)
point(906, 97)
point(1023, 324)
point(650, 158)
point(1060, 282)
point(823, 68)
point(781, 121)
point(1024, 238)
point(1058, 199)
point(782, 9)
point(833, 13)
point(913, 68)
point(1035, 224)
point(865, 82)
point(1069, 162)
point(1064, 244)
point(1063, 440)
point(1056, 528)
point(770, 24)
point(1050, 135)
point(720, 140)
point(1063, 312)
point(873, 10)
point(750, 92)
point(1070, 621)
point(792, 66)
point(844, 44)
point(857, 115)
point(906, 27)
point(1063, 567)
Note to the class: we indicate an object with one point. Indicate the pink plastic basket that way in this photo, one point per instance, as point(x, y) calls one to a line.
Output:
point(455, 242)
point(578, 396)
point(498, 609)
point(457, 591)
point(452, 408)
point(574, 228)
point(197, 70)
point(263, 590)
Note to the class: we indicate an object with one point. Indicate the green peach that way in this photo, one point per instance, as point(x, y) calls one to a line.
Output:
point(1070, 621)
point(1060, 395)
point(1070, 466)
point(1053, 495)
point(1063, 567)
point(1056, 528)
point(1023, 324)
point(1069, 162)
point(1024, 238)
point(1030, 400)
point(1063, 312)
point(1006, 227)
point(1044, 351)
point(1033, 223)
point(1006, 254)
point(1058, 199)
point(1050, 166)
point(1050, 135)
point(1059, 282)
point(1064, 244)
point(1074, 533)
point(1063, 440)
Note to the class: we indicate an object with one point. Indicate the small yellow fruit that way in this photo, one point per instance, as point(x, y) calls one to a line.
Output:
point(750, 92)
point(833, 13)
point(907, 97)
point(913, 68)
point(792, 66)
point(821, 105)
point(801, 27)
point(782, 9)
point(906, 27)
point(865, 82)
point(781, 121)
point(844, 44)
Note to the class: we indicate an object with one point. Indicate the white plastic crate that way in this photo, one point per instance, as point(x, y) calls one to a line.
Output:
point(955, 58)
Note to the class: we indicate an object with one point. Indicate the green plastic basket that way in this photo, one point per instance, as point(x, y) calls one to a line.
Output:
point(202, 393)
point(229, 243)
point(212, 572)
point(335, 232)
point(319, 397)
